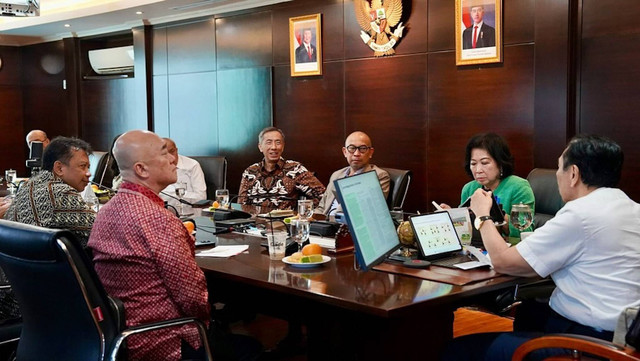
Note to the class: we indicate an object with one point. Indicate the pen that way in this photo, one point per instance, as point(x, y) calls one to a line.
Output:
point(436, 205)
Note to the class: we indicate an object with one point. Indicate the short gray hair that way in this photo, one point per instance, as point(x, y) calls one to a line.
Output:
point(267, 130)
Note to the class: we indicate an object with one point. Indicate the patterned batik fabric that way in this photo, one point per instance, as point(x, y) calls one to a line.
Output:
point(47, 201)
point(280, 188)
point(146, 257)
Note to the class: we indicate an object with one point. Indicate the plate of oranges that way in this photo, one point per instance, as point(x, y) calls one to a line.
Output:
point(309, 257)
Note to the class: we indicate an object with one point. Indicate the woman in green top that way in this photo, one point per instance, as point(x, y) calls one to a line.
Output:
point(489, 162)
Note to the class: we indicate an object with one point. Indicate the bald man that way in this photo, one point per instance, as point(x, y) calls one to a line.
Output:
point(37, 135)
point(145, 256)
point(358, 152)
point(189, 172)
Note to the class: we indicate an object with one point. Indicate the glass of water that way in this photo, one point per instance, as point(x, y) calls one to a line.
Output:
point(181, 189)
point(222, 197)
point(299, 231)
point(305, 208)
point(10, 176)
point(521, 217)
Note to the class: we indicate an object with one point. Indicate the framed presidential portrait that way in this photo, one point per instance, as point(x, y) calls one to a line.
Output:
point(478, 31)
point(305, 43)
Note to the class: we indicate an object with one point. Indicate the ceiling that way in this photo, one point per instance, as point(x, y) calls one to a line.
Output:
point(80, 18)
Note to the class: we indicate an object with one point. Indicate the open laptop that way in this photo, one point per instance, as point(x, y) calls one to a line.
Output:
point(205, 231)
point(438, 240)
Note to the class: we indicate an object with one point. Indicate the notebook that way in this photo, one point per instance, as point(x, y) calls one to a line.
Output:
point(437, 239)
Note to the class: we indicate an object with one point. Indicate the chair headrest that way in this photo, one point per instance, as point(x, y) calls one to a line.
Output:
point(25, 241)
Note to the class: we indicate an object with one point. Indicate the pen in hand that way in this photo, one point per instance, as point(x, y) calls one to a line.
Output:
point(437, 206)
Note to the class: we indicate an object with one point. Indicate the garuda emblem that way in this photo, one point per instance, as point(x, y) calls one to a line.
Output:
point(376, 18)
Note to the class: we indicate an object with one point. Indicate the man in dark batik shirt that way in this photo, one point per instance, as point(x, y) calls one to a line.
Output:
point(275, 182)
point(52, 198)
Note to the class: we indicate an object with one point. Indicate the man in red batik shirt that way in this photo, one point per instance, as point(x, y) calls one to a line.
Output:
point(144, 255)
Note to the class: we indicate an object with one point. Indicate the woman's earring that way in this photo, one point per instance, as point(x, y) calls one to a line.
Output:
point(500, 172)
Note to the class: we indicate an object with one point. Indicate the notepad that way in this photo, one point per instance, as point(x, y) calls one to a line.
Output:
point(223, 251)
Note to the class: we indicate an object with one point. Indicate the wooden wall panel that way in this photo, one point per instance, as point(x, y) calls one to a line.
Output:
point(246, 98)
point(310, 111)
point(108, 109)
point(44, 98)
point(191, 47)
point(519, 17)
point(504, 106)
point(332, 29)
point(387, 99)
point(244, 41)
point(12, 141)
point(608, 103)
point(551, 82)
point(441, 15)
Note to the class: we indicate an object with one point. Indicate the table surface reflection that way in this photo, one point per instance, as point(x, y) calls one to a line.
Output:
point(337, 283)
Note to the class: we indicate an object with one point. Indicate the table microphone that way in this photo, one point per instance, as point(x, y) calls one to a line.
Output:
point(178, 199)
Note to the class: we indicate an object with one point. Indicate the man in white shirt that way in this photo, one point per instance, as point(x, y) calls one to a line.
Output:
point(189, 172)
point(591, 250)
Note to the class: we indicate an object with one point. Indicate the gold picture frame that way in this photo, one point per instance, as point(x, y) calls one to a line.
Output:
point(305, 45)
point(487, 33)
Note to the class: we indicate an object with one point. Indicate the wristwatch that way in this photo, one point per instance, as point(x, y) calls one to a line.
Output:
point(479, 221)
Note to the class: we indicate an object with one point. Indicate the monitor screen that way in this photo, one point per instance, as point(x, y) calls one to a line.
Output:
point(367, 215)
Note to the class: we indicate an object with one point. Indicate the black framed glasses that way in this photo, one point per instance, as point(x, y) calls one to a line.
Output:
point(363, 148)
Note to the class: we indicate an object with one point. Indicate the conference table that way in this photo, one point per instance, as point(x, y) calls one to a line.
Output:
point(349, 314)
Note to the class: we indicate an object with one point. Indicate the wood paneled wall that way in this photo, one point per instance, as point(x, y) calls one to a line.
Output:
point(11, 111)
point(213, 83)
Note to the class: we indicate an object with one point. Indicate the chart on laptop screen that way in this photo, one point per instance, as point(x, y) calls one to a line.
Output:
point(436, 234)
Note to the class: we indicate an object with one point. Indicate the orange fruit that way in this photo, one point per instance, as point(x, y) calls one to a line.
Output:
point(189, 226)
point(311, 248)
point(215, 204)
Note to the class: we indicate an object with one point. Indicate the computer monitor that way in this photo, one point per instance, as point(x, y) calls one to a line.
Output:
point(367, 215)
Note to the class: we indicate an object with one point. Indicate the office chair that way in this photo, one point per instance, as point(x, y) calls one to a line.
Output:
point(578, 344)
point(106, 170)
point(398, 187)
point(66, 313)
point(10, 321)
point(215, 173)
point(545, 189)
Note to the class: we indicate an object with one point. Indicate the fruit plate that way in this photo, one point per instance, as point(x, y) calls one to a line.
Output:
point(325, 259)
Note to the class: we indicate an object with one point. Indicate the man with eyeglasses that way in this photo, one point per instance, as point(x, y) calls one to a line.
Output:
point(358, 152)
point(275, 182)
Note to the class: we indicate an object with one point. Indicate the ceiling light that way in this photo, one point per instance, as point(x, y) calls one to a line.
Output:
point(138, 12)
point(67, 25)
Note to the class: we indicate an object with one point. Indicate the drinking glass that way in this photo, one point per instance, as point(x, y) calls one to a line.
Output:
point(521, 217)
point(10, 176)
point(222, 197)
point(305, 208)
point(299, 231)
point(181, 189)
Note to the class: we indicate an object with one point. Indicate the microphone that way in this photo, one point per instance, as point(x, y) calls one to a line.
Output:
point(178, 199)
point(103, 187)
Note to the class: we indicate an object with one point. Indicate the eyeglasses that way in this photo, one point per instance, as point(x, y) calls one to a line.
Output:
point(363, 148)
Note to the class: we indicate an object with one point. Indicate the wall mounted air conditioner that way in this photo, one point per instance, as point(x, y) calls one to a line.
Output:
point(112, 61)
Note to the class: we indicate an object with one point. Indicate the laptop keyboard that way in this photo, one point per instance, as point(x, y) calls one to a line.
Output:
point(451, 261)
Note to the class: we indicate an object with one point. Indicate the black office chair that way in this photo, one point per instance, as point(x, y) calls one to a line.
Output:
point(66, 312)
point(398, 186)
point(106, 170)
point(10, 321)
point(215, 173)
point(545, 189)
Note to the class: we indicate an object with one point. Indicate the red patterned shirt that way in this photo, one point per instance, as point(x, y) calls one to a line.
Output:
point(280, 187)
point(145, 257)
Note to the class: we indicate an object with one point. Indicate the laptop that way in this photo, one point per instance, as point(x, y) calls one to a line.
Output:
point(205, 231)
point(438, 240)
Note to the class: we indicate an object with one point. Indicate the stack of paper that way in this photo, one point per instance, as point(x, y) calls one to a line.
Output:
point(223, 251)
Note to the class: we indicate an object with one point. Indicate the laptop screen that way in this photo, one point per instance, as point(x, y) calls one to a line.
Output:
point(367, 215)
point(436, 234)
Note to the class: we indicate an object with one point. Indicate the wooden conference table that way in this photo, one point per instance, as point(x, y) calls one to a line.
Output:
point(349, 314)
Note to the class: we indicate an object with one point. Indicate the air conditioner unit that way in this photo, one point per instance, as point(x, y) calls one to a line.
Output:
point(112, 60)
point(20, 7)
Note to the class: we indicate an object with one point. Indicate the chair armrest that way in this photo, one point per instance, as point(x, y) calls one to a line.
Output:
point(160, 325)
point(590, 345)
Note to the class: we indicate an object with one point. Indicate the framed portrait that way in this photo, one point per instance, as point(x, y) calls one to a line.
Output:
point(478, 31)
point(305, 45)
